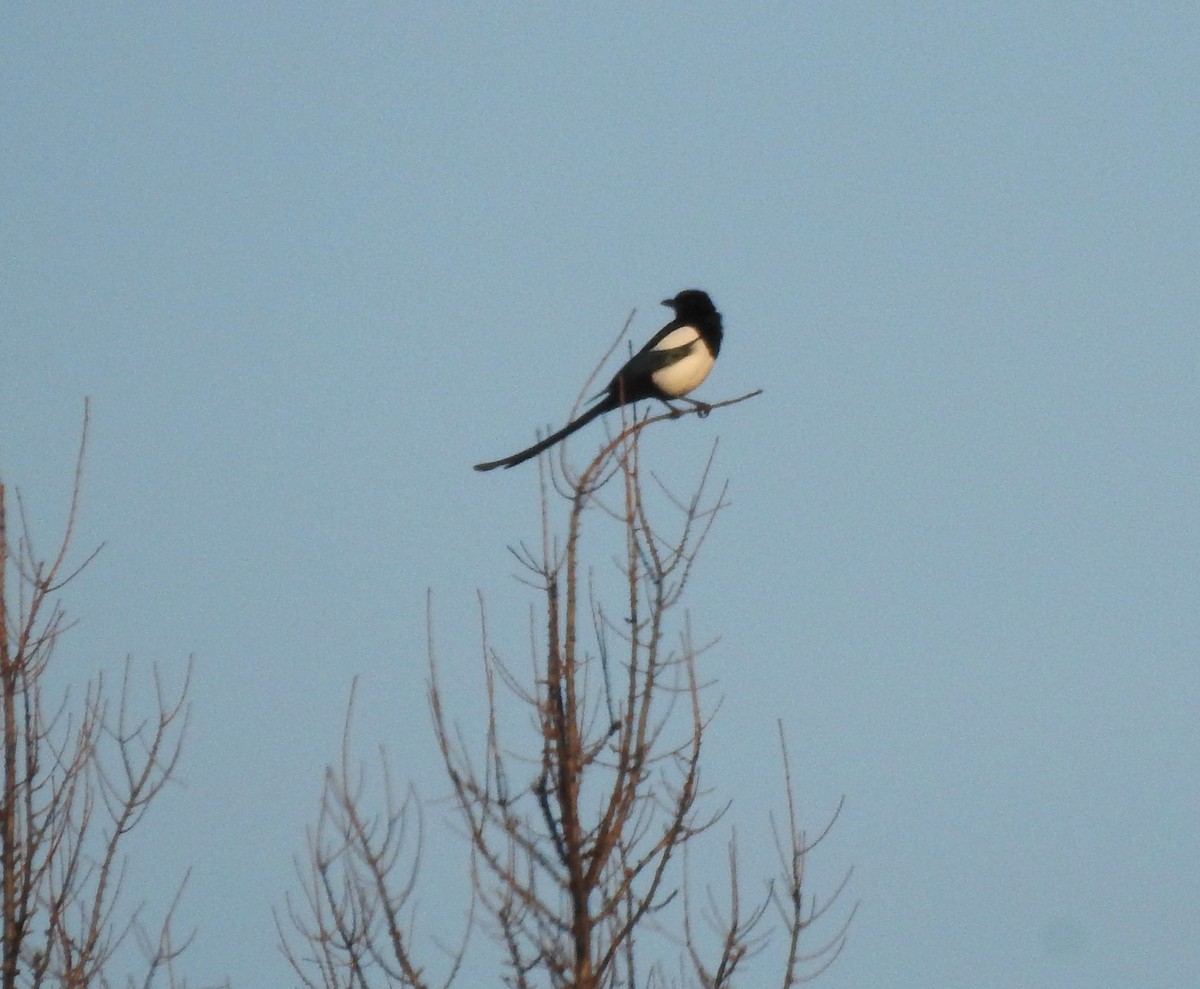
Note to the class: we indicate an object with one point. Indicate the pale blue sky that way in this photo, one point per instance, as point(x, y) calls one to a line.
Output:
point(312, 262)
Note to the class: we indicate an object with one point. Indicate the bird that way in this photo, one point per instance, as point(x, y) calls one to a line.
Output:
point(674, 362)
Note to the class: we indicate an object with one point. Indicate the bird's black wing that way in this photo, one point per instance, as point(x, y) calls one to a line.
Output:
point(662, 334)
point(647, 360)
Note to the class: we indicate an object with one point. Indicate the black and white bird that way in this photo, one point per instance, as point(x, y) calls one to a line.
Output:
point(674, 362)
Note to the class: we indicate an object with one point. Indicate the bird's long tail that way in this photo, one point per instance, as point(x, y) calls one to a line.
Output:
point(598, 409)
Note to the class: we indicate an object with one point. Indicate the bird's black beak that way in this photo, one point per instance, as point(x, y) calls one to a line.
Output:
point(669, 303)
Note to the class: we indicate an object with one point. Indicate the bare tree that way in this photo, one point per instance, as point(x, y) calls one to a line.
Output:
point(350, 928)
point(579, 836)
point(79, 776)
point(574, 858)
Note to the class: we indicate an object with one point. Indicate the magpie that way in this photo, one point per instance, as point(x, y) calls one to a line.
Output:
point(675, 361)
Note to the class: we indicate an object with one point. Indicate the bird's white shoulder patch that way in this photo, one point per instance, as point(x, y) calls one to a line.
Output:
point(679, 337)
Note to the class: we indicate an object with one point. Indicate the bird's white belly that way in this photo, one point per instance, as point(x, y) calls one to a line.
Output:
point(686, 373)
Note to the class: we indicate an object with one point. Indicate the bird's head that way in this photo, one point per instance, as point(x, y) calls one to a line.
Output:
point(690, 303)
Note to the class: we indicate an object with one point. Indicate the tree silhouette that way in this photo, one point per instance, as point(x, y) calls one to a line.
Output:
point(79, 777)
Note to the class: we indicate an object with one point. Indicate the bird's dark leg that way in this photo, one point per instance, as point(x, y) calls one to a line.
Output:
point(702, 408)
